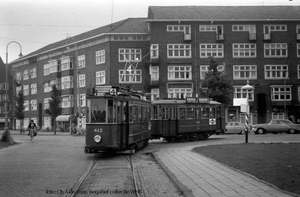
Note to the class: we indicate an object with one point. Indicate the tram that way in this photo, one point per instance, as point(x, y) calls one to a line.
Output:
point(186, 119)
point(118, 119)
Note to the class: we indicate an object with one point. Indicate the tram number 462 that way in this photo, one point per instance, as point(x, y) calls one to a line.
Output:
point(98, 130)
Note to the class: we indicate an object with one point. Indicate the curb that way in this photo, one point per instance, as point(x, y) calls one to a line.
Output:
point(183, 189)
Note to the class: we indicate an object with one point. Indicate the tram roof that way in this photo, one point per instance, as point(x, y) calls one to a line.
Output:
point(181, 101)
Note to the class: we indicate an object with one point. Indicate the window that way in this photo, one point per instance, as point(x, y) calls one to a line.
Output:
point(298, 70)
point(25, 75)
point(205, 69)
point(53, 66)
point(244, 50)
point(33, 88)
point(33, 73)
point(100, 77)
point(82, 80)
point(269, 28)
point(26, 90)
point(46, 69)
point(66, 101)
point(18, 76)
point(298, 93)
point(179, 28)
point(239, 93)
point(81, 61)
point(298, 49)
point(66, 63)
point(154, 94)
point(244, 72)
point(18, 89)
point(100, 57)
point(249, 28)
point(281, 93)
point(180, 93)
point(26, 104)
point(208, 28)
point(82, 100)
point(46, 103)
point(129, 54)
point(211, 50)
point(154, 72)
point(33, 105)
point(66, 82)
point(277, 116)
point(154, 51)
point(276, 71)
point(276, 50)
point(179, 72)
point(132, 76)
point(179, 50)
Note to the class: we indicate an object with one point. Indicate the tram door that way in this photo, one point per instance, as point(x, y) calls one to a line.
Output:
point(219, 120)
point(169, 121)
point(122, 121)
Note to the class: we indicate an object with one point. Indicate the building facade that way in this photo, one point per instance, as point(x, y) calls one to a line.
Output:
point(166, 55)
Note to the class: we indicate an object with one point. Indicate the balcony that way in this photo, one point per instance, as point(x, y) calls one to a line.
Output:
point(187, 37)
point(267, 36)
point(220, 37)
point(252, 36)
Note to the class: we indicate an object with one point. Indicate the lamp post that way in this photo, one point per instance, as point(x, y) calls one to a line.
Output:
point(6, 85)
point(77, 83)
point(247, 87)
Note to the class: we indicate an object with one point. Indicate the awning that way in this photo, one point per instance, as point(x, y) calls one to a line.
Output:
point(65, 118)
point(3, 120)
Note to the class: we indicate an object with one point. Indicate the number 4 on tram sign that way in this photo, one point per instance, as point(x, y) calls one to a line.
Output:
point(113, 91)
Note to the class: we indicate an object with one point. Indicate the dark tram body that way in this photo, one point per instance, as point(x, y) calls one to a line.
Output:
point(117, 120)
point(189, 119)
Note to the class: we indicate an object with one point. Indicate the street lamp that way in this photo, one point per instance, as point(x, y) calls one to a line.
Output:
point(6, 85)
point(77, 82)
point(247, 87)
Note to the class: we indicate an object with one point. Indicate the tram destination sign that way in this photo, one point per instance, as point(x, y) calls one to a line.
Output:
point(197, 100)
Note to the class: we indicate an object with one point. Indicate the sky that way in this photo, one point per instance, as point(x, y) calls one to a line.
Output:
point(37, 23)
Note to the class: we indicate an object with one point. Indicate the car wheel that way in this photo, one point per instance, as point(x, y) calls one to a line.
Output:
point(243, 132)
point(260, 131)
point(292, 131)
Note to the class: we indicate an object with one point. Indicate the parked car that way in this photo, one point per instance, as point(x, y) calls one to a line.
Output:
point(276, 126)
point(236, 127)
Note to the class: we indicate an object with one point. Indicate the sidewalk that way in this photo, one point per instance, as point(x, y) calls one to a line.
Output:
point(199, 176)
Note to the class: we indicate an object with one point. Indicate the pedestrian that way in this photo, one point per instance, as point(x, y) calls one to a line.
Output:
point(32, 127)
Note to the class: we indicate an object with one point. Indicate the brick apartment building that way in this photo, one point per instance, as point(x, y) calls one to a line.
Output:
point(170, 49)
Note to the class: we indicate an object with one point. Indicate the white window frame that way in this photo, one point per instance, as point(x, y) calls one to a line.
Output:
point(180, 92)
point(209, 28)
point(278, 116)
point(46, 103)
point(66, 82)
point(130, 54)
point(154, 51)
point(26, 104)
point(281, 50)
point(179, 28)
point(298, 49)
point(276, 27)
point(53, 66)
point(244, 72)
point(179, 51)
point(154, 73)
point(244, 50)
point(283, 92)
point(239, 93)
point(205, 69)
point(33, 88)
point(211, 50)
point(26, 90)
point(280, 72)
point(82, 100)
point(130, 76)
point(100, 57)
point(25, 75)
point(33, 73)
point(67, 101)
point(81, 61)
point(66, 63)
point(46, 69)
point(249, 28)
point(82, 80)
point(179, 72)
point(33, 105)
point(100, 77)
point(154, 94)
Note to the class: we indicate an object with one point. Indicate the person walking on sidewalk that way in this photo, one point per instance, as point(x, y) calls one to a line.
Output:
point(32, 127)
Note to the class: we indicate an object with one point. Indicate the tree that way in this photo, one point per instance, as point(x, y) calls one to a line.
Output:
point(54, 109)
point(19, 110)
point(216, 85)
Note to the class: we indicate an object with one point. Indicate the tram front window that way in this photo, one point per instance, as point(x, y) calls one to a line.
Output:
point(98, 111)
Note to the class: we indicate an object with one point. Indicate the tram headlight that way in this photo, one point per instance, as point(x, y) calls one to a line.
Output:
point(97, 138)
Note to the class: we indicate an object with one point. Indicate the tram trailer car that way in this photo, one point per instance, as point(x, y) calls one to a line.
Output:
point(186, 120)
point(117, 120)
